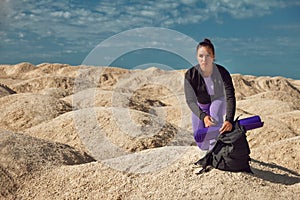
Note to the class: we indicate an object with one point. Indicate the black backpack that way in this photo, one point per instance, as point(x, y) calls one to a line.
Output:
point(230, 153)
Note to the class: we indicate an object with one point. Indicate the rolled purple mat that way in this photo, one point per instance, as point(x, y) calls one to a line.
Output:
point(251, 122)
point(253, 125)
point(212, 132)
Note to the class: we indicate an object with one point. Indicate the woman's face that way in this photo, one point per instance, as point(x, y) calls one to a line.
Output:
point(205, 57)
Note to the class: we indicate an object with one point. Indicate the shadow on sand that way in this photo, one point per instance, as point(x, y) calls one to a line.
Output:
point(287, 177)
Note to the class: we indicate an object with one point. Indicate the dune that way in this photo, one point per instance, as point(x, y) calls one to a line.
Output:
point(85, 132)
point(23, 110)
point(106, 132)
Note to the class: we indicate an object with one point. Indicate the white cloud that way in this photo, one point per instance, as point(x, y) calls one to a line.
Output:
point(147, 13)
point(76, 21)
point(21, 35)
point(64, 14)
point(246, 8)
point(76, 25)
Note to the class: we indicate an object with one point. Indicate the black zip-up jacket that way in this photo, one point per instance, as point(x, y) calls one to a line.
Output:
point(195, 90)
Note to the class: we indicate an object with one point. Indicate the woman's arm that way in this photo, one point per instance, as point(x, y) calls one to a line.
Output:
point(191, 97)
point(229, 95)
point(230, 100)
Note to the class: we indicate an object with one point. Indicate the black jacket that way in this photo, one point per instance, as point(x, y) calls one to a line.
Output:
point(195, 90)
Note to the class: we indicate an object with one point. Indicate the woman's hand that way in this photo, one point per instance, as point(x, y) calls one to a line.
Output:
point(227, 126)
point(208, 121)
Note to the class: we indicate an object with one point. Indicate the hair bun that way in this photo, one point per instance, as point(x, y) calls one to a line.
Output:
point(207, 41)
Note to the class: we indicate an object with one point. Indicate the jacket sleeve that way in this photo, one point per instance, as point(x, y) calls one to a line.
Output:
point(190, 96)
point(230, 96)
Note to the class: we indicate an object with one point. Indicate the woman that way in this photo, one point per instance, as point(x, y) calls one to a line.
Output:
point(210, 95)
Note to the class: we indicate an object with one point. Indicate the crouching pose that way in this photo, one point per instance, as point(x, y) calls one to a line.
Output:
point(210, 95)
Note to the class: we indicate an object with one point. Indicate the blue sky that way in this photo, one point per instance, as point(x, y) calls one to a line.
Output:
point(257, 37)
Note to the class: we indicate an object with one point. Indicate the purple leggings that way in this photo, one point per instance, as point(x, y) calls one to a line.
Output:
point(217, 110)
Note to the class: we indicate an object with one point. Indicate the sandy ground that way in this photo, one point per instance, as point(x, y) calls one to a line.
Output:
point(78, 132)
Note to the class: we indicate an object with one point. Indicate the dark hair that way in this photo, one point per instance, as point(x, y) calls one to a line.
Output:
point(206, 43)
